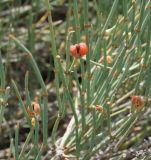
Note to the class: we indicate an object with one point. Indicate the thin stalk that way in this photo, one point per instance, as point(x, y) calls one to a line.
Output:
point(16, 141)
point(26, 143)
point(21, 102)
point(54, 52)
point(32, 62)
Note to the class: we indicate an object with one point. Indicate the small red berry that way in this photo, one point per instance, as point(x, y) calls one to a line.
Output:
point(83, 49)
point(36, 109)
point(78, 50)
point(137, 101)
point(73, 51)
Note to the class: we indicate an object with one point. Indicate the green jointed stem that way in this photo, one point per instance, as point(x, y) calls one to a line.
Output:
point(76, 20)
point(2, 73)
point(2, 87)
point(21, 101)
point(32, 62)
point(16, 141)
point(26, 143)
point(82, 99)
point(54, 52)
point(45, 120)
point(27, 91)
